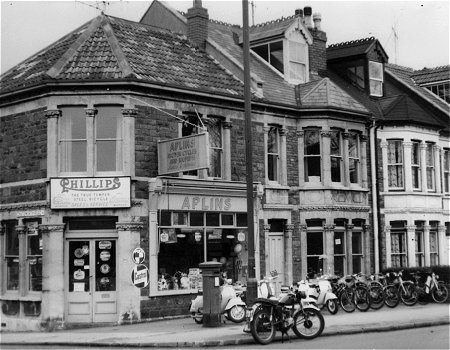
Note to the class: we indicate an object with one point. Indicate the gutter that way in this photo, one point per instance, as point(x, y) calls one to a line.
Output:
point(373, 162)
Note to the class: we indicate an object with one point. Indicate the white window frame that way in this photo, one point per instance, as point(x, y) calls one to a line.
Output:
point(415, 166)
point(216, 149)
point(356, 159)
point(274, 154)
point(297, 57)
point(338, 157)
point(446, 170)
point(306, 156)
point(430, 166)
point(397, 164)
point(376, 76)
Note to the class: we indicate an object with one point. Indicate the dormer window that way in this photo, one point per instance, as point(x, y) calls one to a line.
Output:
point(297, 61)
point(376, 78)
point(272, 53)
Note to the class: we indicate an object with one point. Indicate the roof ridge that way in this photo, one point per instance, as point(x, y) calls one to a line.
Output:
point(62, 61)
point(352, 42)
point(397, 66)
point(428, 70)
point(277, 20)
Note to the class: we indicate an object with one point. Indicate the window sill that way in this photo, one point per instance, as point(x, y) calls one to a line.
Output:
point(35, 296)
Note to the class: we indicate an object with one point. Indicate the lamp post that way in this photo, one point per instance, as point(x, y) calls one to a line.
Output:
point(251, 282)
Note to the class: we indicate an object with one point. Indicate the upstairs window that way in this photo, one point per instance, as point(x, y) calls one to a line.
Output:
point(353, 157)
point(297, 61)
point(215, 150)
point(273, 153)
point(441, 90)
point(430, 166)
point(336, 156)
point(395, 164)
point(272, 53)
point(446, 165)
point(356, 75)
point(312, 156)
point(376, 78)
point(90, 144)
point(190, 126)
point(415, 165)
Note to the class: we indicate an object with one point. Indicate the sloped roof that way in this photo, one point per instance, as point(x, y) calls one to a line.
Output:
point(431, 75)
point(109, 48)
point(353, 48)
point(404, 76)
point(325, 92)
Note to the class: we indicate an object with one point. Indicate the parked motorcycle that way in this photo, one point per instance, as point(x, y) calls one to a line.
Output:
point(321, 291)
point(231, 305)
point(281, 315)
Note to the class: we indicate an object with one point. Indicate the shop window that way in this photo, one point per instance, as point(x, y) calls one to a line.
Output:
point(312, 156)
point(376, 78)
point(357, 251)
point(106, 128)
point(215, 150)
point(11, 254)
point(273, 153)
point(430, 166)
point(227, 219)
point(353, 157)
point(415, 165)
point(179, 218)
point(34, 255)
point(10, 307)
point(395, 164)
point(336, 156)
point(434, 243)
point(213, 219)
point(32, 308)
point(446, 166)
point(398, 244)
point(419, 244)
point(196, 219)
point(241, 220)
point(91, 223)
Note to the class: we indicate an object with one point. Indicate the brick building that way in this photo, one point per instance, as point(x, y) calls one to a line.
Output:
point(97, 133)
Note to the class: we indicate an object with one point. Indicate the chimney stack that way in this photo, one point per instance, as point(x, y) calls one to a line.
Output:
point(299, 13)
point(308, 12)
point(197, 23)
point(317, 18)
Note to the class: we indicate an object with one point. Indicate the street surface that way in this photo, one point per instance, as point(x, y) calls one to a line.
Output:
point(416, 338)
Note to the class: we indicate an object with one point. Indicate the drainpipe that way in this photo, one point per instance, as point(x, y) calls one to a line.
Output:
point(373, 162)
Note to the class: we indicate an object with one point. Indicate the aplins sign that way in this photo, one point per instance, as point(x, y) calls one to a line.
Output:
point(90, 192)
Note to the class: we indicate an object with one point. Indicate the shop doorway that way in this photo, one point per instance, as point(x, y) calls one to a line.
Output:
point(91, 280)
point(276, 258)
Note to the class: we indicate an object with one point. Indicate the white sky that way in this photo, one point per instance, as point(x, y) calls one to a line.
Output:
point(422, 27)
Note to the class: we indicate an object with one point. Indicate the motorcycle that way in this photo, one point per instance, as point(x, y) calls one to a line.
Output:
point(232, 306)
point(322, 293)
point(281, 315)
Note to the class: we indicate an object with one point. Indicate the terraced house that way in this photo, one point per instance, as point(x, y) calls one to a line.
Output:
point(125, 135)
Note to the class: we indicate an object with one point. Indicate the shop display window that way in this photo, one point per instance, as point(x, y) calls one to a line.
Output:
point(10, 307)
point(208, 237)
point(32, 308)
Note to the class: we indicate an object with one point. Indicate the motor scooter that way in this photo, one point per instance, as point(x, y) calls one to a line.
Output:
point(321, 291)
point(232, 306)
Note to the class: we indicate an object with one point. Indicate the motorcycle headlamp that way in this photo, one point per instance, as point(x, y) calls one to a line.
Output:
point(437, 276)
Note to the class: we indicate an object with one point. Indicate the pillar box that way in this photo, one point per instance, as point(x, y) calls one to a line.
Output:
point(212, 297)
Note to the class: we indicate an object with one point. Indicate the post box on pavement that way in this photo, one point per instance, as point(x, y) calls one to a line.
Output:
point(212, 297)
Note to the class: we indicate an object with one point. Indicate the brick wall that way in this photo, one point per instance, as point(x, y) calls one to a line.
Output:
point(318, 51)
point(171, 305)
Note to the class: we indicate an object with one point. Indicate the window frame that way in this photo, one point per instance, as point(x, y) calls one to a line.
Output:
point(337, 157)
point(356, 160)
point(446, 170)
point(419, 243)
point(430, 166)
point(274, 154)
point(372, 78)
point(307, 157)
point(416, 165)
point(397, 165)
point(434, 254)
point(297, 61)
point(216, 150)
point(399, 229)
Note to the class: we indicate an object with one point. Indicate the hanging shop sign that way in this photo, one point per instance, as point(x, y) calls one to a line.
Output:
point(140, 276)
point(90, 192)
point(138, 255)
point(183, 154)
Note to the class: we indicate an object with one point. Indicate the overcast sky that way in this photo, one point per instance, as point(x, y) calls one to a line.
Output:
point(422, 28)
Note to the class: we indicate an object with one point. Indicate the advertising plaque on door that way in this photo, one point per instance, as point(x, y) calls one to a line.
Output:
point(140, 276)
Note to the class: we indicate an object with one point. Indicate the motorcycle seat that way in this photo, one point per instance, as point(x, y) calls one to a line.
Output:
point(265, 300)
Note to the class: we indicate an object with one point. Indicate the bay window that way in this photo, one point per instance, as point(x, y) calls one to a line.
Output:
point(446, 170)
point(357, 250)
point(108, 139)
point(73, 140)
point(315, 247)
point(419, 244)
point(430, 165)
point(415, 165)
point(434, 243)
point(336, 156)
point(395, 164)
point(398, 244)
point(312, 156)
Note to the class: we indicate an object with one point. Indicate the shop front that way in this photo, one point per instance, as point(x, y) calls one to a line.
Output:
point(192, 222)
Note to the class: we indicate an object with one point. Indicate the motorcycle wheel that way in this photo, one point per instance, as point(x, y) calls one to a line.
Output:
point(346, 302)
point(332, 306)
point(377, 297)
point(440, 293)
point(408, 294)
point(391, 296)
point(263, 327)
point(198, 317)
point(361, 298)
point(308, 323)
point(237, 313)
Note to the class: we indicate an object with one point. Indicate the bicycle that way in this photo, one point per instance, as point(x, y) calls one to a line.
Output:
point(376, 290)
point(352, 291)
point(406, 290)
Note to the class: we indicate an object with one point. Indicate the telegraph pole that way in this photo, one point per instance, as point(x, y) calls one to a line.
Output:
point(251, 282)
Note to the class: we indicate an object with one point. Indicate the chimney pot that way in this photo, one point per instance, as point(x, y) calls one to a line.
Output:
point(308, 21)
point(299, 13)
point(317, 18)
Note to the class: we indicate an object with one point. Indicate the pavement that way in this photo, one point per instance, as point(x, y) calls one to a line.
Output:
point(184, 332)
